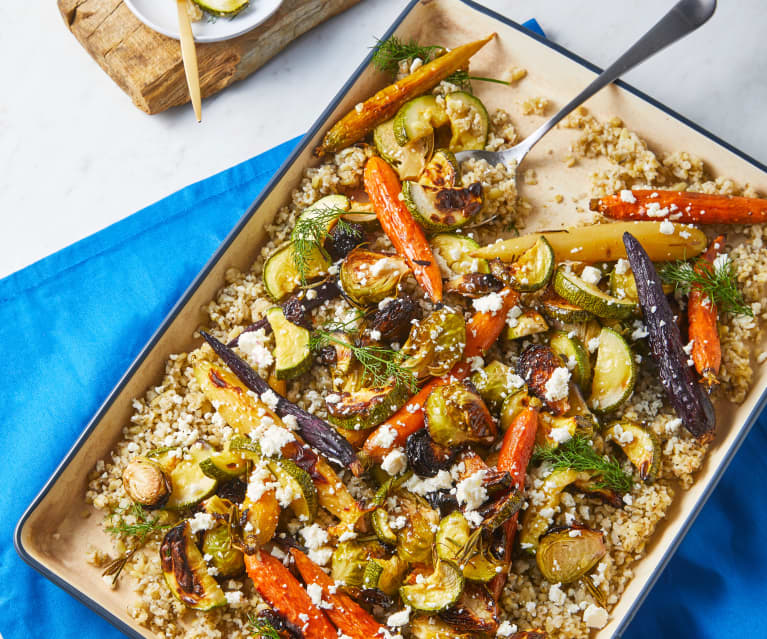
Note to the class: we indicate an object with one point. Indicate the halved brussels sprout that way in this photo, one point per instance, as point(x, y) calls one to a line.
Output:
point(368, 276)
point(475, 611)
point(495, 383)
point(553, 430)
point(514, 404)
point(146, 483)
point(438, 591)
point(416, 538)
point(538, 365)
point(394, 319)
point(456, 414)
point(528, 323)
point(384, 574)
point(566, 554)
point(425, 456)
point(350, 558)
point(452, 537)
point(226, 558)
point(435, 343)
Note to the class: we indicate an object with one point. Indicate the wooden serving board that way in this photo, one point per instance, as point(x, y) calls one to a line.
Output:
point(147, 65)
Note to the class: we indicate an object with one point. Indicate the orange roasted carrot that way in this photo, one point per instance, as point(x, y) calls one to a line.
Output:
point(702, 325)
point(350, 618)
point(517, 447)
point(682, 206)
point(384, 189)
point(362, 119)
point(481, 332)
point(283, 592)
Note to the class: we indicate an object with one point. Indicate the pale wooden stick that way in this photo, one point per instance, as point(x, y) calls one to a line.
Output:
point(189, 55)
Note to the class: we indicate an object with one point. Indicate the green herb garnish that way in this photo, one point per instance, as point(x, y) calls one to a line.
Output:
point(261, 628)
point(389, 53)
point(577, 454)
point(381, 364)
point(142, 530)
point(717, 281)
point(309, 234)
point(461, 78)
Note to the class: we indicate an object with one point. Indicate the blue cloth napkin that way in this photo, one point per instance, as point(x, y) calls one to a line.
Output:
point(71, 324)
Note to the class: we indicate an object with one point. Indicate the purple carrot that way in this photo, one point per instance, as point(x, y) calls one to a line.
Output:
point(315, 431)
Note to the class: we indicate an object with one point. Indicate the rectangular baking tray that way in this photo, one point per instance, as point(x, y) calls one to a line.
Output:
point(53, 535)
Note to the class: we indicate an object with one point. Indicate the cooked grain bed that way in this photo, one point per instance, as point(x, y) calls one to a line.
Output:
point(176, 412)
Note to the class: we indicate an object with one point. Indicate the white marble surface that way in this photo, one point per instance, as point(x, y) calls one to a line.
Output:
point(78, 156)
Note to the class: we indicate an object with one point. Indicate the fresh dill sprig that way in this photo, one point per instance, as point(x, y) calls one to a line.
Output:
point(389, 53)
point(717, 282)
point(383, 365)
point(578, 454)
point(141, 529)
point(261, 628)
point(461, 78)
point(309, 234)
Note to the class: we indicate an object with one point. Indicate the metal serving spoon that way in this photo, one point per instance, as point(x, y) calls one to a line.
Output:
point(683, 18)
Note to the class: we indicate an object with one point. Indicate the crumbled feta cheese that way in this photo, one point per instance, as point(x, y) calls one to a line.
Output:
point(672, 425)
point(530, 607)
point(639, 331)
point(441, 481)
point(399, 618)
point(290, 422)
point(471, 492)
point(314, 536)
point(560, 435)
point(622, 266)
point(557, 386)
point(315, 594)
point(490, 303)
point(385, 436)
point(627, 196)
point(513, 315)
point(628, 499)
point(201, 522)
point(667, 228)
point(375, 335)
point(721, 261)
point(476, 363)
point(270, 399)
point(233, 597)
point(271, 439)
point(311, 294)
point(556, 594)
point(252, 347)
point(506, 629)
point(591, 275)
point(398, 523)
point(595, 617)
point(394, 462)
point(593, 344)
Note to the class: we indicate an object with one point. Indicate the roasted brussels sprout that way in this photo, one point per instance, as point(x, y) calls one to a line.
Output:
point(343, 239)
point(384, 574)
point(185, 571)
point(437, 592)
point(350, 558)
point(146, 483)
point(455, 414)
point(432, 627)
point(473, 285)
point(475, 611)
point(416, 538)
point(554, 430)
point(425, 456)
point(368, 277)
point(538, 365)
point(435, 344)
point(393, 319)
point(514, 404)
point(495, 383)
point(566, 554)
point(225, 558)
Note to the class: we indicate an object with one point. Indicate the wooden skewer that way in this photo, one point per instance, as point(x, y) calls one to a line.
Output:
point(189, 56)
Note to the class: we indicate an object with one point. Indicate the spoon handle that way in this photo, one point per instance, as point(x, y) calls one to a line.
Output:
point(683, 18)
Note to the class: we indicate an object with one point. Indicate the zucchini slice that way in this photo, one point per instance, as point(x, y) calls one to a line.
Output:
point(280, 275)
point(469, 121)
point(442, 209)
point(185, 571)
point(639, 444)
point(365, 408)
point(324, 210)
point(408, 161)
point(572, 351)
point(190, 484)
point(380, 521)
point(224, 466)
point(443, 171)
point(533, 269)
point(292, 355)
point(418, 118)
point(297, 482)
point(228, 8)
point(456, 250)
point(614, 372)
point(587, 296)
point(559, 309)
point(438, 591)
point(529, 323)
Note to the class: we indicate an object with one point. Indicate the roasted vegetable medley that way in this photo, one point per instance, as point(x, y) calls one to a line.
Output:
point(474, 388)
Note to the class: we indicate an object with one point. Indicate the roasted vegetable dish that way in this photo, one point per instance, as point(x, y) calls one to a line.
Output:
point(427, 424)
